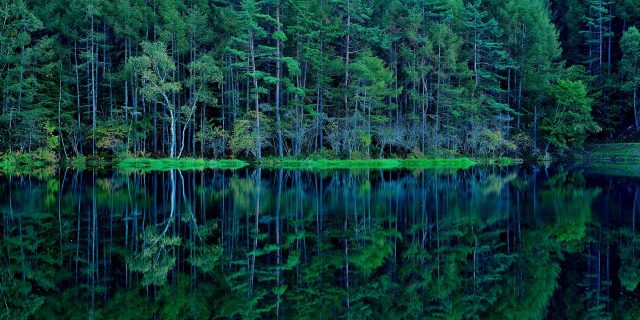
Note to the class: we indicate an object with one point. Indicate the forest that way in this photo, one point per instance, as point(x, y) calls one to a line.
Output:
point(110, 110)
point(334, 79)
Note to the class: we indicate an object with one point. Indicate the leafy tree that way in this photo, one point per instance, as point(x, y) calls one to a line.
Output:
point(630, 63)
point(156, 68)
point(569, 121)
point(372, 80)
point(470, 77)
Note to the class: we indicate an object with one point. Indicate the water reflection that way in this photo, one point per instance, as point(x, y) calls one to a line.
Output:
point(485, 243)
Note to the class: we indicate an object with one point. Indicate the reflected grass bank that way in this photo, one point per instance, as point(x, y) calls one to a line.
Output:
point(31, 164)
point(166, 164)
point(325, 164)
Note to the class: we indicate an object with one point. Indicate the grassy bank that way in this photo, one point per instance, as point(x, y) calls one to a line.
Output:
point(614, 153)
point(324, 164)
point(27, 164)
point(165, 164)
point(620, 159)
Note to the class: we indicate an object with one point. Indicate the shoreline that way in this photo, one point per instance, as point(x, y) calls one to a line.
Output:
point(166, 164)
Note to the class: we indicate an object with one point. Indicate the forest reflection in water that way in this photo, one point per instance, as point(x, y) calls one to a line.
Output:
point(483, 243)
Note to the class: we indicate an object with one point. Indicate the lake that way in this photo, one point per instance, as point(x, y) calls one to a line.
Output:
point(484, 243)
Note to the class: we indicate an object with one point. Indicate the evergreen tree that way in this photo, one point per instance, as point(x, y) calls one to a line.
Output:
point(489, 61)
point(466, 77)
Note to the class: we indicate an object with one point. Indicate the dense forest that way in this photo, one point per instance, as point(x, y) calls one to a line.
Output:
point(323, 78)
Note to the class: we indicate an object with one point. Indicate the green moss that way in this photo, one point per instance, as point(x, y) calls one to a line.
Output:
point(148, 164)
point(324, 164)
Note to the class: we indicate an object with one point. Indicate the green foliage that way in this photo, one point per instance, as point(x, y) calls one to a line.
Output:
point(148, 164)
point(376, 249)
point(630, 45)
point(154, 261)
point(629, 273)
point(326, 164)
point(40, 162)
point(113, 135)
point(611, 154)
point(207, 252)
point(569, 121)
point(155, 68)
point(31, 253)
point(214, 139)
point(245, 139)
point(494, 144)
point(571, 203)
point(277, 243)
point(362, 79)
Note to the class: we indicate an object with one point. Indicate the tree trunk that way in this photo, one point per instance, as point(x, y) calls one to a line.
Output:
point(252, 61)
point(635, 107)
point(94, 94)
point(278, 84)
point(75, 56)
point(346, 60)
point(64, 149)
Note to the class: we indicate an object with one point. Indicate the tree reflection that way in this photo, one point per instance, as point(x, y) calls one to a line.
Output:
point(485, 243)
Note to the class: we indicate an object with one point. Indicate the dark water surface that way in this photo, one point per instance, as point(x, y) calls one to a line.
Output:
point(484, 243)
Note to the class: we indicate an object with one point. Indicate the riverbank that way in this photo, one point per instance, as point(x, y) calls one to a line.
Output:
point(324, 164)
point(614, 153)
point(621, 159)
point(419, 163)
point(36, 164)
point(27, 163)
point(165, 164)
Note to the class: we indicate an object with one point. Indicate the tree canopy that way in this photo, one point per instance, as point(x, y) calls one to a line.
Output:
point(347, 79)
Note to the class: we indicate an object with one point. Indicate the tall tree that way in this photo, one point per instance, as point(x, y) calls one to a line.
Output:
point(156, 69)
point(569, 121)
point(630, 65)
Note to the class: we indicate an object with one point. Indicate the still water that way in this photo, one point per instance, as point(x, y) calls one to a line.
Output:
point(483, 243)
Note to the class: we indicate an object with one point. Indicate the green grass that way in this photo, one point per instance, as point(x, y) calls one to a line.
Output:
point(324, 164)
point(165, 164)
point(14, 164)
point(454, 163)
point(619, 159)
point(288, 163)
point(619, 153)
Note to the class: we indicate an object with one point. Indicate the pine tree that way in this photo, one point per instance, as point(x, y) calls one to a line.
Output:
point(489, 62)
